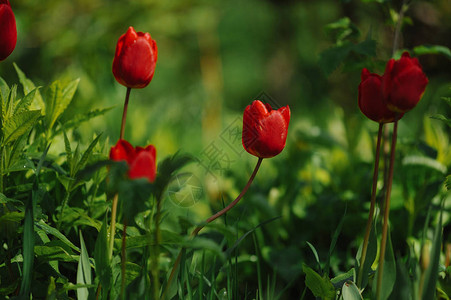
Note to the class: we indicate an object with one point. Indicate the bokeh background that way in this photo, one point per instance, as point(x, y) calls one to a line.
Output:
point(214, 58)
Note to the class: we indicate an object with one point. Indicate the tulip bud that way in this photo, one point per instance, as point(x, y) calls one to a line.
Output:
point(371, 102)
point(8, 31)
point(135, 59)
point(403, 83)
point(264, 129)
point(141, 161)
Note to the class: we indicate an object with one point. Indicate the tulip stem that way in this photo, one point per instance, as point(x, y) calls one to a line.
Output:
point(124, 259)
point(124, 113)
point(211, 219)
point(402, 10)
point(372, 206)
point(386, 210)
point(113, 225)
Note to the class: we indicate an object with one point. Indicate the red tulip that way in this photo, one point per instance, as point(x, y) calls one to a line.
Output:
point(135, 59)
point(403, 83)
point(8, 31)
point(141, 161)
point(371, 101)
point(264, 129)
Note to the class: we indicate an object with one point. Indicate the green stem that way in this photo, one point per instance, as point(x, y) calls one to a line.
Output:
point(211, 219)
point(386, 211)
point(124, 259)
point(113, 226)
point(155, 268)
point(229, 207)
point(372, 205)
point(124, 113)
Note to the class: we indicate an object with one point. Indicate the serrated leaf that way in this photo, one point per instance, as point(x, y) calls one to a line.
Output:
point(78, 119)
point(28, 86)
point(8, 104)
point(58, 98)
point(320, 286)
point(83, 271)
point(442, 118)
point(86, 155)
point(25, 103)
point(68, 151)
point(4, 89)
point(19, 124)
point(448, 182)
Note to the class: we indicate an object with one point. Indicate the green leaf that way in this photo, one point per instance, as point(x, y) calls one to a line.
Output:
point(389, 275)
point(350, 291)
point(371, 254)
point(103, 267)
point(86, 155)
point(334, 242)
point(320, 286)
point(448, 182)
point(28, 251)
point(53, 231)
point(58, 97)
point(19, 124)
point(78, 119)
point(315, 253)
point(442, 118)
point(28, 86)
point(341, 279)
point(54, 251)
point(424, 161)
point(4, 89)
point(68, 149)
point(332, 58)
point(24, 103)
point(431, 273)
point(83, 271)
point(432, 49)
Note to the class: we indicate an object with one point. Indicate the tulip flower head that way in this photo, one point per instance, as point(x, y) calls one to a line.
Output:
point(371, 101)
point(135, 59)
point(8, 30)
point(141, 161)
point(264, 129)
point(403, 83)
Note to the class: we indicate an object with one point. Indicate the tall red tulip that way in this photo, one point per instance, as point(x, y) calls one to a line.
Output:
point(141, 161)
point(264, 129)
point(8, 30)
point(403, 83)
point(371, 102)
point(135, 59)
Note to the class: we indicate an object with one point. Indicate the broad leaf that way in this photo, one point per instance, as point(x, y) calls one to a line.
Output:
point(320, 286)
point(19, 124)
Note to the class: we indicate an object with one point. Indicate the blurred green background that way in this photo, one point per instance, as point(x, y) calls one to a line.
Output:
point(214, 58)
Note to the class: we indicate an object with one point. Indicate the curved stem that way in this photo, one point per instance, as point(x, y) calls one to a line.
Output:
point(124, 113)
point(228, 207)
point(386, 211)
point(372, 205)
point(211, 219)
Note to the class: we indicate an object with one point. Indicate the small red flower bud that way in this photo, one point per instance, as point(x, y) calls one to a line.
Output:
point(403, 83)
point(371, 102)
point(135, 59)
point(8, 30)
point(264, 129)
point(141, 161)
